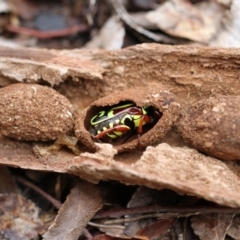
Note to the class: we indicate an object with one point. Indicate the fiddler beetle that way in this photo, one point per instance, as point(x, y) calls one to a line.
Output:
point(113, 122)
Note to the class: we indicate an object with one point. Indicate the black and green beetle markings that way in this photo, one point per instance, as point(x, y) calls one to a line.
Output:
point(116, 121)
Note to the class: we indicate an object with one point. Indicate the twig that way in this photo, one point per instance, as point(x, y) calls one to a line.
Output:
point(159, 209)
point(144, 216)
point(123, 14)
point(48, 34)
point(105, 226)
point(57, 204)
point(87, 234)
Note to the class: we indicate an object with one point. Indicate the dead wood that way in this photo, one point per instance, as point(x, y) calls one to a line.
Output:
point(190, 73)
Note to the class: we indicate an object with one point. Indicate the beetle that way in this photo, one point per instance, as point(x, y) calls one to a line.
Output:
point(114, 122)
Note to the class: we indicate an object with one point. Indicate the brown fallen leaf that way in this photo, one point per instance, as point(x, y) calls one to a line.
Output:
point(182, 19)
point(146, 197)
point(227, 3)
point(211, 226)
point(114, 28)
point(157, 228)
point(137, 28)
point(228, 35)
point(19, 218)
point(234, 230)
point(81, 204)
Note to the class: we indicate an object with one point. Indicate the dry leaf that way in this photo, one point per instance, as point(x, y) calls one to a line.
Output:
point(182, 19)
point(227, 3)
point(137, 28)
point(4, 7)
point(19, 218)
point(157, 228)
point(234, 230)
point(81, 205)
point(228, 35)
point(4, 42)
point(110, 36)
point(145, 197)
point(211, 226)
point(141, 19)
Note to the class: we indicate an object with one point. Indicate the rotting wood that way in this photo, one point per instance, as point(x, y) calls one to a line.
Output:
point(191, 73)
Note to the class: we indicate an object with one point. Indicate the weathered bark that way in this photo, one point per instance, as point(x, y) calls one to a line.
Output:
point(191, 73)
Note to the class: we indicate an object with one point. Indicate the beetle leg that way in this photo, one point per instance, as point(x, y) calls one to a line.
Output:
point(118, 128)
point(144, 118)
